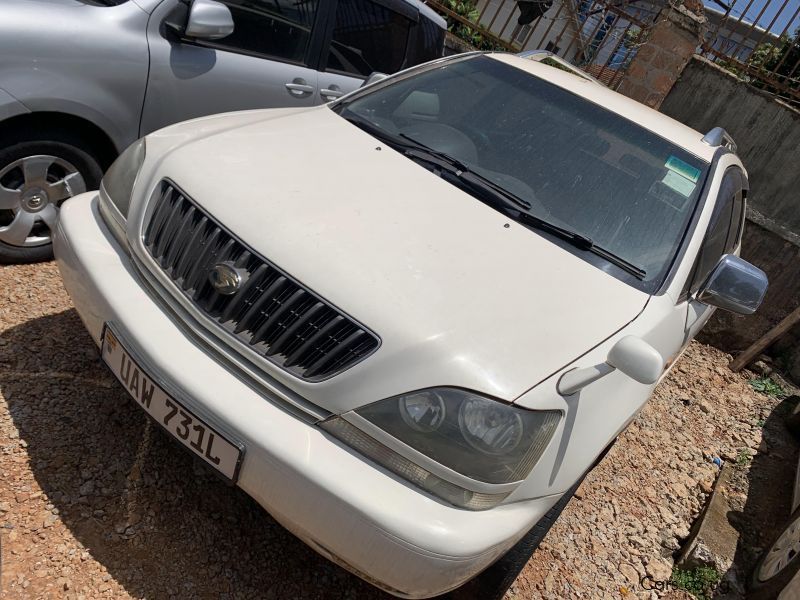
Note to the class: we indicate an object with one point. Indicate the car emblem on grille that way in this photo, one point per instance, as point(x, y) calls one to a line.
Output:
point(226, 279)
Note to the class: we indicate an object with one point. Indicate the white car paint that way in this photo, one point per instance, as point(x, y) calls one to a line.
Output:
point(438, 276)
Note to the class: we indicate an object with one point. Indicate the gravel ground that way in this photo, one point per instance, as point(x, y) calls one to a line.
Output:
point(96, 503)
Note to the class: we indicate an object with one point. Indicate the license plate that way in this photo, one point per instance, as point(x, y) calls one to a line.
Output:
point(194, 433)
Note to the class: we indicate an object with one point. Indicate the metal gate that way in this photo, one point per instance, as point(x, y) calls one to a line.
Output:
point(759, 40)
point(599, 36)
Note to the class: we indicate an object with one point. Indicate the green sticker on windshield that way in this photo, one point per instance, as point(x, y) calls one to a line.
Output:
point(684, 169)
point(679, 184)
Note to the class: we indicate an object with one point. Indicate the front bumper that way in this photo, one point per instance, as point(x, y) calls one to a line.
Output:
point(346, 508)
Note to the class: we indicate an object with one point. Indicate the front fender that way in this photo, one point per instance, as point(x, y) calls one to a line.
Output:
point(10, 106)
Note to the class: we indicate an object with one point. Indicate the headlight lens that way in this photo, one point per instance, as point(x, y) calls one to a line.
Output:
point(423, 411)
point(494, 429)
point(477, 437)
point(120, 177)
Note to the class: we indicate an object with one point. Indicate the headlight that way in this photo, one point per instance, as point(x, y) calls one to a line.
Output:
point(121, 175)
point(117, 186)
point(488, 444)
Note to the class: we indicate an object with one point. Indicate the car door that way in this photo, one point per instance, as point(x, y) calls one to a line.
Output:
point(723, 236)
point(365, 36)
point(268, 61)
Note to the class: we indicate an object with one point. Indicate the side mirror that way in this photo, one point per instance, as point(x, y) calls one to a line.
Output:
point(209, 20)
point(374, 77)
point(734, 285)
point(637, 359)
point(630, 355)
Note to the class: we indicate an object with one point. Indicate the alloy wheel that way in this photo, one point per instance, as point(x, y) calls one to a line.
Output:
point(31, 190)
point(781, 553)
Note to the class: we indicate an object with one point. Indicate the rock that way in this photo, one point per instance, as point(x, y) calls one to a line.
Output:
point(715, 540)
point(629, 573)
point(87, 488)
point(50, 520)
point(580, 493)
point(659, 569)
point(762, 368)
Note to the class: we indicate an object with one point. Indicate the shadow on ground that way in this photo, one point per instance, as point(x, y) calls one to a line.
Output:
point(159, 522)
point(761, 497)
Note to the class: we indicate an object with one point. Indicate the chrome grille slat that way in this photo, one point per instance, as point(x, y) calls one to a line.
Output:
point(184, 265)
point(199, 273)
point(284, 339)
point(272, 314)
point(177, 247)
point(230, 311)
point(171, 225)
point(308, 347)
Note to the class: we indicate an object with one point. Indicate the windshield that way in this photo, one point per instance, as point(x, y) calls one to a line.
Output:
point(574, 164)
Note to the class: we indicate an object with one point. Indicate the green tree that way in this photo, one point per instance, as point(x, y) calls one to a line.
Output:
point(778, 59)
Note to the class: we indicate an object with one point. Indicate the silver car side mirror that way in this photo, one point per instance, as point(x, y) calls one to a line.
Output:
point(374, 77)
point(209, 20)
point(734, 285)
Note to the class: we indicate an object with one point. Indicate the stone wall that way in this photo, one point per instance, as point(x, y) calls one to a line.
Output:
point(668, 47)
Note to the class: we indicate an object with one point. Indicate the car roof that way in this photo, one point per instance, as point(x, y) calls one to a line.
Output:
point(659, 123)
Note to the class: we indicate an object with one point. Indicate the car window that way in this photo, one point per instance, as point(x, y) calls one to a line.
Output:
point(737, 222)
point(579, 165)
point(724, 230)
point(428, 43)
point(278, 29)
point(367, 37)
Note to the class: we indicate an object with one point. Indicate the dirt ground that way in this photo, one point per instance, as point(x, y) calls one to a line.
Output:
point(95, 502)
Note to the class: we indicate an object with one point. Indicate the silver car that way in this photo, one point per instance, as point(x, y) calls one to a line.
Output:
point(80, 80)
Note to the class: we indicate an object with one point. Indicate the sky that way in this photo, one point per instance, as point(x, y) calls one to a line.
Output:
point(773, 8)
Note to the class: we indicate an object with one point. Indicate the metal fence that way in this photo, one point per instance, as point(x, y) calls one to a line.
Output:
point(759, 41)
point(599, 36)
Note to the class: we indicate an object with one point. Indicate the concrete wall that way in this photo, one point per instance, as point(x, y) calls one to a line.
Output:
point(768, 135)
point(767, 132)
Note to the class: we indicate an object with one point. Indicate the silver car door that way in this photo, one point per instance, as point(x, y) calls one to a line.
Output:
point(262, 64)
point(367, 36)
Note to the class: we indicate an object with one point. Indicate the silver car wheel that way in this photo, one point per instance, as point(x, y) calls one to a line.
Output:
point(781, 553)
point(32, 188)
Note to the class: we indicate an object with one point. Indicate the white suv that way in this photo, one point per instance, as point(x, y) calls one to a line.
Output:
point(409, 322)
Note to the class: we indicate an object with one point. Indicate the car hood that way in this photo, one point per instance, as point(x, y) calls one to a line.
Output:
point(458, 294)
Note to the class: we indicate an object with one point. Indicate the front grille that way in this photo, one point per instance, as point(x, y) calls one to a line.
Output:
point(271, 312)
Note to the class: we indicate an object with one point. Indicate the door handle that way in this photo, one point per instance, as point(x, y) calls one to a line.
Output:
point(331, 93)
point(299, 87)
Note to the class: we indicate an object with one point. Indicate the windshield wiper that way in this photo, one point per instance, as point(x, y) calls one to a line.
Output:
point(463, 172)
point(491, 193)
point(581, 242)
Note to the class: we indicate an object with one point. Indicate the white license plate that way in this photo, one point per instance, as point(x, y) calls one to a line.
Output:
point(191, 431)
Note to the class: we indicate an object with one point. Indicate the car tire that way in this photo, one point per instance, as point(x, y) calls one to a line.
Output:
point(779, 563)
point(36, 176)
point(494, 581)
